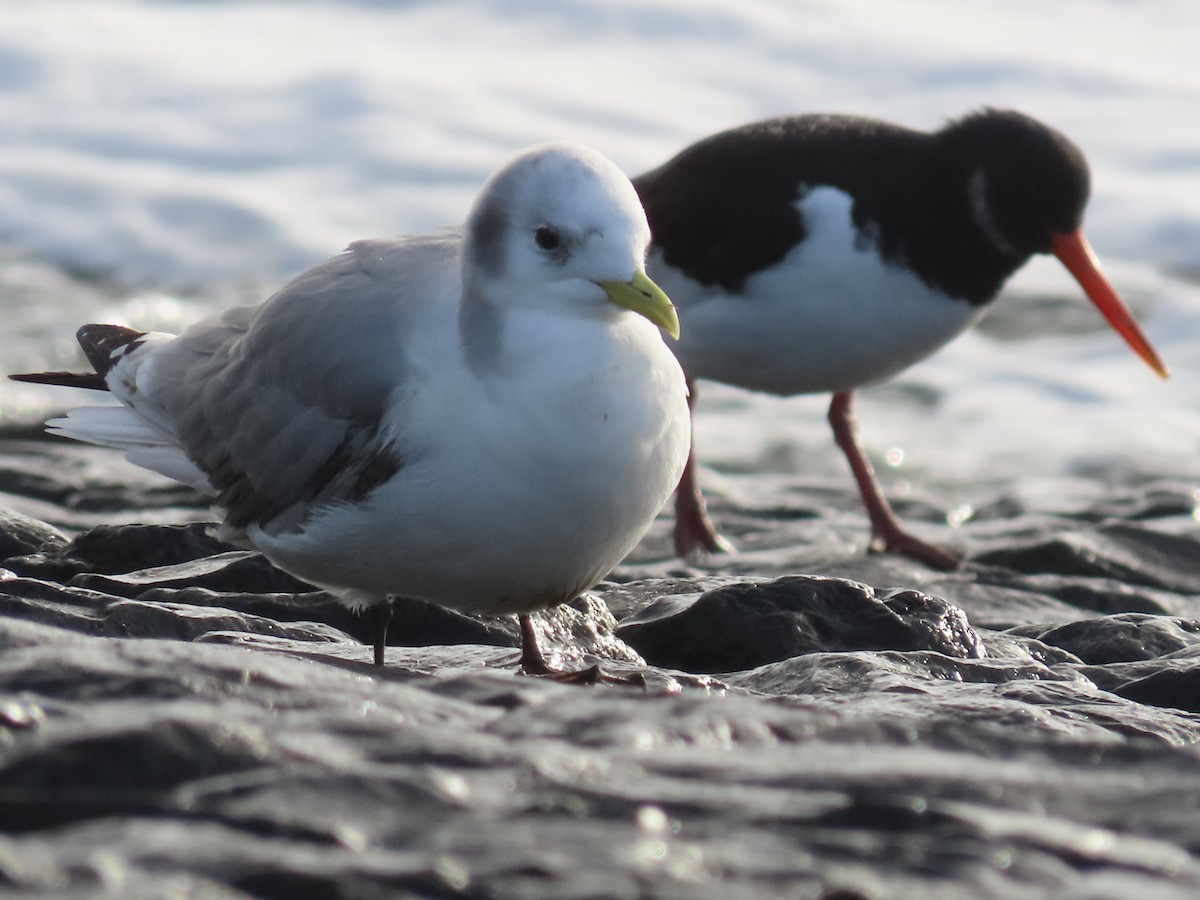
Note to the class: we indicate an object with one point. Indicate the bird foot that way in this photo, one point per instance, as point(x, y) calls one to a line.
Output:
point(694, 533)
point(533, 663)
point(589, 676)
point(901, 543)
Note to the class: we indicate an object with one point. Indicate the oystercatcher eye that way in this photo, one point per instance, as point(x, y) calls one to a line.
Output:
point(547, 238)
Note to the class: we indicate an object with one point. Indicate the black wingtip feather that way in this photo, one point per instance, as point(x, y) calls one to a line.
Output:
point(101, 342)
point(89, 380)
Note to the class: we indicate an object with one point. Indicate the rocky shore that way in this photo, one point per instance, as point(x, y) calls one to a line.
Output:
point(178, 718)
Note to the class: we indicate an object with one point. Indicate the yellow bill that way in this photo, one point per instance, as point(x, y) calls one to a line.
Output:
point(646, 298)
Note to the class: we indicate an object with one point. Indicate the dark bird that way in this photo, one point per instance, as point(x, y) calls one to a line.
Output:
point(822, 253)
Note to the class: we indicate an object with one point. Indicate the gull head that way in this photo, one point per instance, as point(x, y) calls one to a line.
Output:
point(560, 227)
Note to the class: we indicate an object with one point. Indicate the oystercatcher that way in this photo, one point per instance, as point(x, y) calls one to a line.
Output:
point(822, 253)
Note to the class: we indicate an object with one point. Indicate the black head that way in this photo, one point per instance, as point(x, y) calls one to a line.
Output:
point(1025, 181)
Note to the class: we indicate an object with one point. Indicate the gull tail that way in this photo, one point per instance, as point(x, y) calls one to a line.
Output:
point(104, 346)
point(145, 441)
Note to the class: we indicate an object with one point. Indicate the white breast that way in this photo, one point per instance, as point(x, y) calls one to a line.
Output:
point(831, 316)
point(521, 489)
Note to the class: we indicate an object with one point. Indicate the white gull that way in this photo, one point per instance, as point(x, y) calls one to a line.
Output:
point(487, 418)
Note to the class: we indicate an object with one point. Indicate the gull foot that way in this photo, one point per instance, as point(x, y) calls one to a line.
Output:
point(589, 676)
point(534, 664)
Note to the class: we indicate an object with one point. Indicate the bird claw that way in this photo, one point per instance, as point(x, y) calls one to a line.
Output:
point(695, 533)
point(589, 676)
point(708, 544)
point(533, 663)
point(901, 543)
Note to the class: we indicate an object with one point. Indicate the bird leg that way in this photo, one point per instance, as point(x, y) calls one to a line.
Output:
point(379, 617)
point(886, 532)
point(534, 663)
point(694, 530)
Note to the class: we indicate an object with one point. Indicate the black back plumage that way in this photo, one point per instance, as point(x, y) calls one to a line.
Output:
point(725, 207)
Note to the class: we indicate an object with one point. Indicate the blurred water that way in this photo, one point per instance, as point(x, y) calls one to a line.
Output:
point(162, 159)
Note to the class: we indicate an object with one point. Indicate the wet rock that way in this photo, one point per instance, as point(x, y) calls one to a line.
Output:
point(100, 614)
point(1102, 595)
point(116, 549)
point(21, 534)
point(1120, 638)
point(1133, 554)
point(234, 570)
point(999, 603)
point(582, 628)
point(1175, 688)
point(863, 672)
point(243, 743)
point(585, 626)
point(1142, 502)
point(182, 567)
point(417, 623)
point(742, 626)
point(121, 774)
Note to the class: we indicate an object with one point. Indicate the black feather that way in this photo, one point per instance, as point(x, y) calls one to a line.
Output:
point(89, 380)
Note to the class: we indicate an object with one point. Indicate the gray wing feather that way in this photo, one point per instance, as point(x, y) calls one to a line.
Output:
point(280, 404)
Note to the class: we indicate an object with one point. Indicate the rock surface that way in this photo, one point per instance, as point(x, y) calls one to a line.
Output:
point(178, 718)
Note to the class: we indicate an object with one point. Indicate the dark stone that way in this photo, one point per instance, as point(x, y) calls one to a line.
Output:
point(96, 613)
point(935, 624)
point(241, 742)
point(1172, 688)
point(277, 885)
point(864, 672)
point(240, 571)
point(1171, 560)
point(21, 534)
point(115, 549)
point(139, 619)
point(417, 623)
point(1155, 499)
point(52, 604)
point(312, 606)
point(53, 471)
point(1102, 595)
point(107, 774)
point(1130, 553)
point(1121, 638)
point(747, 625)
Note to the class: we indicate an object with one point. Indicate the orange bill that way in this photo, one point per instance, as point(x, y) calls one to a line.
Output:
point(1074, 252)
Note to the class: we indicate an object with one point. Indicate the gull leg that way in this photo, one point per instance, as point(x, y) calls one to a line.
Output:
point(694, 530)
point(887, 534)
point(534, 663)
point(379, 617)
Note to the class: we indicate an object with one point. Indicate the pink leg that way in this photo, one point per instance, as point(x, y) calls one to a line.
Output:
point(694, 530)
point(534, 663)
point(886, 532)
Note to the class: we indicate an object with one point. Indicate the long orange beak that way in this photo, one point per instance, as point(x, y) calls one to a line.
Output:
point(1074, 252)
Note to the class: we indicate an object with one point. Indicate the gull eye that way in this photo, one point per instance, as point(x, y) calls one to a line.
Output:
point(547, 238)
